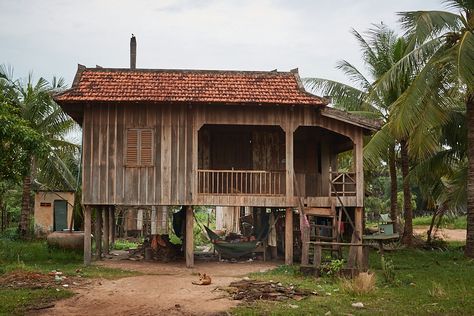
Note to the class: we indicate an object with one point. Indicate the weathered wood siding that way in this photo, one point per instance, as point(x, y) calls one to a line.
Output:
point(172, 178)
point(106, 178)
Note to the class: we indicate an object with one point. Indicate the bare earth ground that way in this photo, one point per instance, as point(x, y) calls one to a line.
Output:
point(446, 234)
point(165, 289)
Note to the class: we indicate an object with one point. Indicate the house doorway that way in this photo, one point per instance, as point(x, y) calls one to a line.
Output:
point(60, 215)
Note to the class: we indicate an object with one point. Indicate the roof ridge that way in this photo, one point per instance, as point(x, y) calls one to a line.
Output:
point(225, 71)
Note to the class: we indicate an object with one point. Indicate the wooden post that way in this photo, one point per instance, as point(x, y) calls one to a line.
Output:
point(358, 222)
point(98, 233)
point(153, 220)
point(305, 238)
point(289, 236)
point(105, 236)
point(289, 162)
point(189, 237)
point(359, 169)
point(111, 226)
point(87, 234)
point(318, 251)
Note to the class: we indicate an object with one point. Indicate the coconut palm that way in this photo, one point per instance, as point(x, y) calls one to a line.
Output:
point(36, 106)
point(380, 52)
point(443, 51)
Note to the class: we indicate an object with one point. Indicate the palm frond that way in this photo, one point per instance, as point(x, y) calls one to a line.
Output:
point(377, 148)
point(423, 25)
point(353, 74)
point(465, 59)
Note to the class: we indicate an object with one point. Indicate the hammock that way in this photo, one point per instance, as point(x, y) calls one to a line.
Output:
point(231, 249)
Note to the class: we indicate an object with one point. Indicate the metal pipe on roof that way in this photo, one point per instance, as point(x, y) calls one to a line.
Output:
point(133, 52)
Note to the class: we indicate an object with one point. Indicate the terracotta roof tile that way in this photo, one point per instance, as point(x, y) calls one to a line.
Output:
point(243, 87)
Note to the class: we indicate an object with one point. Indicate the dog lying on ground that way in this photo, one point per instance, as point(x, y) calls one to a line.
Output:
point(204, 279)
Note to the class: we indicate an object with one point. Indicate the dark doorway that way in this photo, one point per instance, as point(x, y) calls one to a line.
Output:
point(60, 215)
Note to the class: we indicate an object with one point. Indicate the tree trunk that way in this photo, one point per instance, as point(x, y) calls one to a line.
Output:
point(393, 188)
point(407, 238)
point(438, 215)
point(469, 251)
point(25, 208)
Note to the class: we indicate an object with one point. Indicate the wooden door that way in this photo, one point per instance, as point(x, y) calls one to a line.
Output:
point(60, 215)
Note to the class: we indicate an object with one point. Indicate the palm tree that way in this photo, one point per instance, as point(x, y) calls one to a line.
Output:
point(380, 52)
point(36, 106)
point(443, 45)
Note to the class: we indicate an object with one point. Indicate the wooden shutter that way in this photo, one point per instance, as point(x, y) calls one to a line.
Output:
point(146, 147)
point(131, 156)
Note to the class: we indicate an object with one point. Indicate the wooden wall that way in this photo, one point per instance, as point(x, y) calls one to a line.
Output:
point(106, 180)
point(171, 180)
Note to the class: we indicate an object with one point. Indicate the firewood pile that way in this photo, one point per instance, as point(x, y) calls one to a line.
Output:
point(156, 247)
point(252, 290)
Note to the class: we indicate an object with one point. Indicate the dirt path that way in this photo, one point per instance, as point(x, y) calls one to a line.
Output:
point(446, 234)
point(165, 289)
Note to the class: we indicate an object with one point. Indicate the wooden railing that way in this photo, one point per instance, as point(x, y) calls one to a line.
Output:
point(342, 183)
point(241, 182)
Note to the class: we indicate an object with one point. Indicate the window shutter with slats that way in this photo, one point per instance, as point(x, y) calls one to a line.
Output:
point(139, 151)
point(131, 156)
point(146, 146)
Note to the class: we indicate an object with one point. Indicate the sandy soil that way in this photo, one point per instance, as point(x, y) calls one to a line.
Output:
point(165, 289)
point(446, 234)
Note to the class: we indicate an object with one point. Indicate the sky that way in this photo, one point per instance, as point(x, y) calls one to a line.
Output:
point(50, 37)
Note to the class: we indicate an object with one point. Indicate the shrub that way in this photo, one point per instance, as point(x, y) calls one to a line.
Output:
point(333, 267)
point(10, 234)
point(388, 270)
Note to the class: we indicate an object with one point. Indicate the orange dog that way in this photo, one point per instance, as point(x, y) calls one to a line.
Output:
point(204, 279)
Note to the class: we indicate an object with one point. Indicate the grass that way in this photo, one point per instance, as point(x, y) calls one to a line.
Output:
point(450, 222)
point(36, 257)
point(16, 302)
point(426, 283)
point(123, 244)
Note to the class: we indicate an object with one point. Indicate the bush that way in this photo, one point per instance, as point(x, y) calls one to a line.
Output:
point(333, 267)
point(388, 270)
point(10, 234)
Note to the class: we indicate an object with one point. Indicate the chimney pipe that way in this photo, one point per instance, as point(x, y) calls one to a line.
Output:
point(133, 52)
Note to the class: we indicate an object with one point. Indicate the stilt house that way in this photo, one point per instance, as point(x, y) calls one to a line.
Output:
point(154, 137)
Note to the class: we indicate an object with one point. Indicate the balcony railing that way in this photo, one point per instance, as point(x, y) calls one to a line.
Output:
point(342, 183)
point(241, 182)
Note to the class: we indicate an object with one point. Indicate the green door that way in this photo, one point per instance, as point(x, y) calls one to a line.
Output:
point(60, 215)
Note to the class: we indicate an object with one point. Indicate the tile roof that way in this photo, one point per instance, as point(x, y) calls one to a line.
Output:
point(203, 86)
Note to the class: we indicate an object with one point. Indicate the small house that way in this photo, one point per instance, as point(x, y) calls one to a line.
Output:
point(161, 137)
point(53, 211)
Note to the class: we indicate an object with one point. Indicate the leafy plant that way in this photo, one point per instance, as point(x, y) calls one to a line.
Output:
point(333, 267)
point(388, 270)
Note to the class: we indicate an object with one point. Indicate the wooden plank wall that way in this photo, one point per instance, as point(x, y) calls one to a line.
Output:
point(106, 179)
point(171, 180)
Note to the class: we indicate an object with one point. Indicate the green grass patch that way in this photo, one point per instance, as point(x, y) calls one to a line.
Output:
point(35, 256)
point(426, 283)
point(450, 222)
point(123, 244)
point(18, 301)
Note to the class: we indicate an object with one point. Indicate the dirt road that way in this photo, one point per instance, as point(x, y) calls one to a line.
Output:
point(165, 289)
point(446, 234)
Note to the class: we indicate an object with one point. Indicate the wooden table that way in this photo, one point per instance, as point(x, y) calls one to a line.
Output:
point(381, 238)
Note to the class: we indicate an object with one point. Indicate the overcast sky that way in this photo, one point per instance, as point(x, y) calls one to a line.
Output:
point(50, 37)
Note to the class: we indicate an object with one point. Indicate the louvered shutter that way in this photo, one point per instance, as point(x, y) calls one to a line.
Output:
point(131, 156)
point(146, 147)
